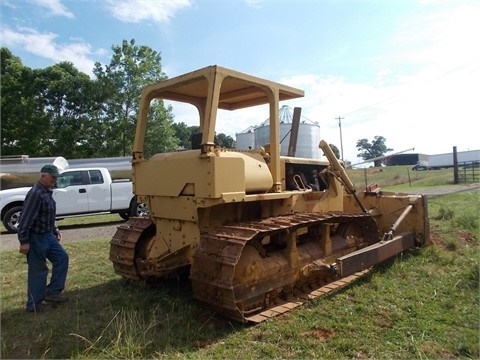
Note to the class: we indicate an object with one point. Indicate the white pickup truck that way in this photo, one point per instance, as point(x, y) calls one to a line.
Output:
point(78, 192)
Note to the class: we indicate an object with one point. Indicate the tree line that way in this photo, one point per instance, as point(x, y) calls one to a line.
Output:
point(61, 111)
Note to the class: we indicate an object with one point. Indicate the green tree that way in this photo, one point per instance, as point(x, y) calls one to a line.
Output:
point(70, 101)
point(225, 141)
point(131, 68)
point(335, 150)
point(184, 133)
point(160, 135)
point(376, 148)
point(25, 126)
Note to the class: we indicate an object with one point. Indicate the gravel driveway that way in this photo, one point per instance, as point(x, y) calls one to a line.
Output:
point(445, 189)
point(77, 233)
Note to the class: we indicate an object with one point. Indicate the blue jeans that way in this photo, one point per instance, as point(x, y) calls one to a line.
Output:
point(43, 247)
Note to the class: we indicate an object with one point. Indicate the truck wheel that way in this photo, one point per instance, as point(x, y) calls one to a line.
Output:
point(124, 215)
point(136, 209)
point(11, 219)
point(139, 209)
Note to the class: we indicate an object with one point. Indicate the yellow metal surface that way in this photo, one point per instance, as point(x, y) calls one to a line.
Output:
point(168, 174)
point(260, 233)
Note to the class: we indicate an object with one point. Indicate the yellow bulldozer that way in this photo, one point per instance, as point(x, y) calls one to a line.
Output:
point(259, 233)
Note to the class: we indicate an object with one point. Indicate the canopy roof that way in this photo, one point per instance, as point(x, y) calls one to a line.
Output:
point(238, 90)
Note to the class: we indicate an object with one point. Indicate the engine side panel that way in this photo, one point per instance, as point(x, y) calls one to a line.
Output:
point(188, 173)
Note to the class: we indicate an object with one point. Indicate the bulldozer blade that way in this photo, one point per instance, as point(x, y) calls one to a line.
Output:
point(374, 254)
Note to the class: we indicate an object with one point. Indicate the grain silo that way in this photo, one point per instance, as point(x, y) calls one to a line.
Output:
point(245, 140)
point(308, 134)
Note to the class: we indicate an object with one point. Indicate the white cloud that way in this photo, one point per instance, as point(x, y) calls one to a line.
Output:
point(430, 116)
point(438, 42)
point(45, 46)
point(253, 3)
point(135, 11)
point(8, 3)
point(55, 7)
point(423, 94)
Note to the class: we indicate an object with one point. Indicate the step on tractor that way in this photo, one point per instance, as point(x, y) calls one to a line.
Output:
point(260, 233)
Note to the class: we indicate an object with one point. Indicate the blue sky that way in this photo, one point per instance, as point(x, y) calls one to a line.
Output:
point(405, 70)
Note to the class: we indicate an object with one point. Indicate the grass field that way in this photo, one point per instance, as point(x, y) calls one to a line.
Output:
point(422, 304)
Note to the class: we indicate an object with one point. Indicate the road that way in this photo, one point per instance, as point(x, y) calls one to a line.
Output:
point(445, 189)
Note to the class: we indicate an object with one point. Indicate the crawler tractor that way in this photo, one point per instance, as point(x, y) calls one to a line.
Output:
point(259, 233)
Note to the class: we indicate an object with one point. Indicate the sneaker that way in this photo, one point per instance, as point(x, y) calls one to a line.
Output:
point(55, 298)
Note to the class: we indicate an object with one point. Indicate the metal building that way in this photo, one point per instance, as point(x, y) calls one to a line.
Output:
point(308, 135)
point(245, 140)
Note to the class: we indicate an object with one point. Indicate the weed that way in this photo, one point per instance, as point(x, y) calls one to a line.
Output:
point(451, 244)
point(467, 222)
point(471, 277)
point(444, 214)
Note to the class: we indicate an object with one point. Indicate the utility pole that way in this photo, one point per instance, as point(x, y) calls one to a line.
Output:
point(341, 140)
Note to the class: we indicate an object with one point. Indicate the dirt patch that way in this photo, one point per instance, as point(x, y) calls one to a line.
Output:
point(437, 240)
point(320, 334)
point(462, 236)
point(468, 237)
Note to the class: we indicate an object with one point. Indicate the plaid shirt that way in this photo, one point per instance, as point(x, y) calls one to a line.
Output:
point(38, 213)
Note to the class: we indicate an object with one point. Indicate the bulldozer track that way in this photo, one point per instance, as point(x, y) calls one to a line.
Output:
point(123, 246)
point(285, 306)
point(215, 261)
point(214, 265)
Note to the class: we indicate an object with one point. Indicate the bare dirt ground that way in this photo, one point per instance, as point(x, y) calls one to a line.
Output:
point(106, 230)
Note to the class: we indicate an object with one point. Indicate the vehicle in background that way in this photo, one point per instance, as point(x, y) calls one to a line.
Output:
point(444, 161)
point(421, 165)
point(78, 192)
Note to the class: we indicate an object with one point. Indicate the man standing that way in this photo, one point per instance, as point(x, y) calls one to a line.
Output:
point(40, 240)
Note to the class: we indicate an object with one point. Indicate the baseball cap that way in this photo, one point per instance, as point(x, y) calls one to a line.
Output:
point(50, 169)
